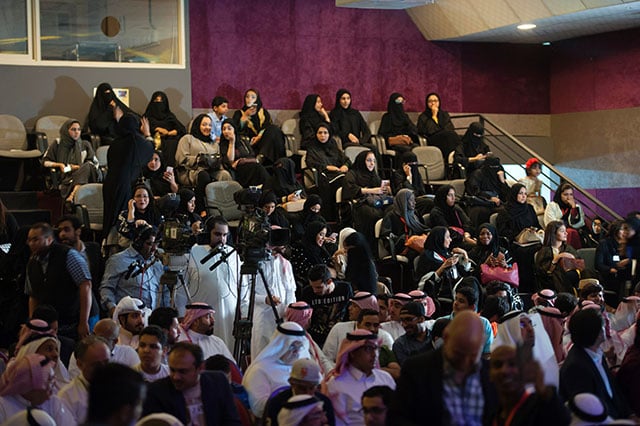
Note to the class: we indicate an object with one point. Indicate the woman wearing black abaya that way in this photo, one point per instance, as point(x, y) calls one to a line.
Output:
point(310, 251)
point(127, 156)
point(408, 176)
point(435, 125)
point(396, 127)
point(266, 139)
point(349, 123)
point(487, 189)
point(165, 124)
point(100, 120)
point(324, 155)
point(312, 115)
point(240, 157)
point(447, 213)
point(284, 183)
point(361, 184)
point(401, 220)
point(472, 152)
point(311, 212)
point(160, 180)
point(515, 216)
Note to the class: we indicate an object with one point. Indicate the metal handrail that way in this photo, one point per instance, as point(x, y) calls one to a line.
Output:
point(531, 153)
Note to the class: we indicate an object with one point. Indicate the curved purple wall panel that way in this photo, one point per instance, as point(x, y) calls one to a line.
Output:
point(290, 48)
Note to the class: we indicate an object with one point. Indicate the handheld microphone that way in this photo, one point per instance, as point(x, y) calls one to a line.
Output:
point(132, 267)
point(223, 258)
point(212, 252)
point(144, 267)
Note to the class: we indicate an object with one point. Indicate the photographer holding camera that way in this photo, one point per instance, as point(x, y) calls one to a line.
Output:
point(198, 159)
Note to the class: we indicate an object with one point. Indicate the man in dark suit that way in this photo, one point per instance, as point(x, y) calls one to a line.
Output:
point(585, 369)
point(191, 394)
point(430, 384)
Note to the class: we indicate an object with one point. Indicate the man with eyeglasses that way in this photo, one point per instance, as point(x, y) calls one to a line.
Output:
point(375, 405)
point(217, 288)
point(355, 372)
point(416, 340)
point(135, 272)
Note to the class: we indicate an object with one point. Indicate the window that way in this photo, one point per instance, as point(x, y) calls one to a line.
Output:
point(118, 33)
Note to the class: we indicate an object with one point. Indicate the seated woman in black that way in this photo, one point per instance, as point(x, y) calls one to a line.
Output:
point(360, 271)
point(363, 185)
point(550, 272)
point(276, 214)
point(266, 139)
point(186, 211)
point(324, 155)
point(310, 213)
point(435, 125)
point(440, 268)
point(408, 176)
point(472, 152)
point(516, 215)
point(402, 222)
point(349, 123)
point(397, 129)
point(312, 115)
point(283, 182)
point(310, 251)
point(488, 249)
point(160, 180)
point(447, 213)
point(240, 157)
point(100, 120)
point(164, 124)
point(488, 190)
point(612, 260)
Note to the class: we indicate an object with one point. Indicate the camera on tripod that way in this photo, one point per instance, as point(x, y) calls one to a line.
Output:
point(254, 231)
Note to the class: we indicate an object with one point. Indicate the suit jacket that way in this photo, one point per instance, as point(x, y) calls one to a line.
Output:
point(217, 400)
point(419, 395)
point(579, 374)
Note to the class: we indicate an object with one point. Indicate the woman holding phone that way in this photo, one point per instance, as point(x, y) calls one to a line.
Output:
point(254, 122)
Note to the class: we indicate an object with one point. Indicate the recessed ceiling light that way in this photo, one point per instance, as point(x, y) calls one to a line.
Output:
point(546, 43)
point(526, 26)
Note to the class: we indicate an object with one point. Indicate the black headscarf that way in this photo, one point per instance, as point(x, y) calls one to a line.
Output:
point(449, 212)
point(243, 149)
point(518, 212)
point(416, 178)
point(360, 271)
point(160, 115)
point(100, 119)
point(69, 150)
point(435, 241)
point(257, 103)
point(339, 113)
point(471, 143)
point(315, 254)
point(328, 149)
point(493, 247)
point(399, 118)
point(307, 215)
point(363, 177)
point(309, 112)
point(195, 128)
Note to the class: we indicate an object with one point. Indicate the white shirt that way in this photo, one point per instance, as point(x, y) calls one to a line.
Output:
point(339, 332)
point(126, 338)
point(75, 396)
point(12, 404)
point(345, 392)
point(161, 374)
point(394, 328)
point(211, 345)
point(262, 380)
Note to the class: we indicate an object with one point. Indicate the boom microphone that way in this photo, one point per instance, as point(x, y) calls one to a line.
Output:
point(212, 252)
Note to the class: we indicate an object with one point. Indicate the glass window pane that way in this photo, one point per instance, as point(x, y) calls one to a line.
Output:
point(141, 31)
point(13, 27)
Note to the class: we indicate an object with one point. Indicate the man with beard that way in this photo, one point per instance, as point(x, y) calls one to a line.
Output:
point(59, 276)
point(135, 272)
point(129, 313)
point(416, 340)
point(192, 395)
point(69, 230)
point(197, 328)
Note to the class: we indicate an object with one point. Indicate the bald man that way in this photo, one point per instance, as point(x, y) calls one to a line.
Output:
point(432, 385)
point(109, 330)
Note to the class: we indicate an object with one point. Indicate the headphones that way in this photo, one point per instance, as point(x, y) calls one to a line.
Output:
point(141, 234)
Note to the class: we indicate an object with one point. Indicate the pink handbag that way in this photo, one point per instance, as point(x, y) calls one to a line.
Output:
point(497, 273)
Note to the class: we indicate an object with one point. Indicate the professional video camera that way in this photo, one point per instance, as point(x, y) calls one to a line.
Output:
point(254, 231)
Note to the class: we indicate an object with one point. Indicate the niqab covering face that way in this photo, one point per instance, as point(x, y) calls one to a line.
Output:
point(399, 118)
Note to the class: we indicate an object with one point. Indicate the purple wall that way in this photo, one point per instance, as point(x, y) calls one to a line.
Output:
point(596, 73)
point(290, 48)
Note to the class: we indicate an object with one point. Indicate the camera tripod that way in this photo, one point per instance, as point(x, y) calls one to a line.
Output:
point(242, 326)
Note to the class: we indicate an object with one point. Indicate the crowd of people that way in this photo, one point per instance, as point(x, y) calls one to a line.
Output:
point(498, 321)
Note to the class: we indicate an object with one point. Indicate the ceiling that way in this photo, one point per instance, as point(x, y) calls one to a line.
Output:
point(496, 20)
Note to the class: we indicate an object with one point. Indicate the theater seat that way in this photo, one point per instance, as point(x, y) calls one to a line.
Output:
point(15, 152)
